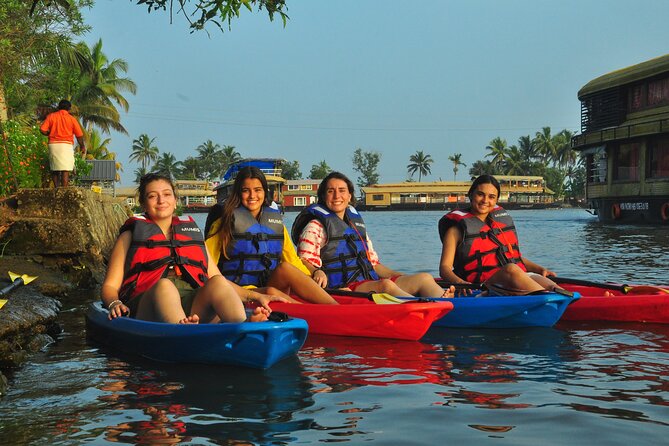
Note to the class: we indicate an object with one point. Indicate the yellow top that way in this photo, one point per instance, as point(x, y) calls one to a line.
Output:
point(289, 254)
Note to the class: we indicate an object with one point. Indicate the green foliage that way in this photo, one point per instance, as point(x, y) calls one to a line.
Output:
point(366, 163)
point(420, 162)
point(319, 171)
point(457, 162)
point(216, 11)
point(290, 170)
point(24, 157)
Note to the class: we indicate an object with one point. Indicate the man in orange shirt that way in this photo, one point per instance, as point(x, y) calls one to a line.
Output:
point(61, 127)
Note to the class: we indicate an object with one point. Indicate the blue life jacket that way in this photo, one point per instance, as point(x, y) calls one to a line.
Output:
point(344, 256)
point(255, 249)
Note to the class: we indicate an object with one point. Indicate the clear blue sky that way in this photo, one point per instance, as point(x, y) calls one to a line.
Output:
point(391, 76)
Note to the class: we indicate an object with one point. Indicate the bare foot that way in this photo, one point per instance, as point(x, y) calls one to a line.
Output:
point(450, 292)
point(259, 314)
point(608, 294)
point(192, 319)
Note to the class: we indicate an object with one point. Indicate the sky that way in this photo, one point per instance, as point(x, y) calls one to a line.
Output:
point(389, 76)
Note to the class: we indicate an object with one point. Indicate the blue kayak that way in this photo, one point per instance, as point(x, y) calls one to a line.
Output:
point(534, 310)
point(249, 344)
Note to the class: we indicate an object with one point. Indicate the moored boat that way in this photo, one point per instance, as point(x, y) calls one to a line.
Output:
point(534, 310)
point(639, 304)
point(360, 317)
point(249, 344)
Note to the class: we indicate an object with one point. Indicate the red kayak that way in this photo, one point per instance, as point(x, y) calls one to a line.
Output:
point(360, 317)
point(639, 304)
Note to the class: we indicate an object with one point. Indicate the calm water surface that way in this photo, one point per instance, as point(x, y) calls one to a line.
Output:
point(573, 384)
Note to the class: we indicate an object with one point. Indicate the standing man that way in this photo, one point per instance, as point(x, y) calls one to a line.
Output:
point(61, 128)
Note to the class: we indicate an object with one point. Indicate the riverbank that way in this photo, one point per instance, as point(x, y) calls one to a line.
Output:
point(61, 236)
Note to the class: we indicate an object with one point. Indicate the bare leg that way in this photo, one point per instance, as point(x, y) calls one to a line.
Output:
point(383, 286)
point(217, 301)
point(161, 303)
point(55, 177)
point(290, 279)
point(511, 277)
point(421, 284)
point(65, 178)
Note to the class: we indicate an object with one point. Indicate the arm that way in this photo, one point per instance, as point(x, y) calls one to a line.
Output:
point(449, 245)
point(114, 277)
point(312, 239)
point(289, 254)
point(82, 145)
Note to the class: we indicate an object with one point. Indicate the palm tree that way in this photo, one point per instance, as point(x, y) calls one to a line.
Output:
point(190, 169)
point(481, 167)
point(545, 144)
point(143, 150)
point(139, 173)
point(209, 155)
point(168, 165)
point(455, 159)
point(528, 149)
point(99, 88)
point(565, 155)
point(514, 164)
point(420, 162)
point(497, 148)
point(229, 156)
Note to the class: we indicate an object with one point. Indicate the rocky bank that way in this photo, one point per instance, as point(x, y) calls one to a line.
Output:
point(62, 236)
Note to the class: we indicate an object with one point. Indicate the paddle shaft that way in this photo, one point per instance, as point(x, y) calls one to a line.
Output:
point(336, 292)
point(459, 286)
point(15, 284)
point(609, 286)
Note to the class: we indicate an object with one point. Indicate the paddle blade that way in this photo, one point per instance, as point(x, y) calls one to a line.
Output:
point(385, 298)
point(26, 278)
point(3, 302)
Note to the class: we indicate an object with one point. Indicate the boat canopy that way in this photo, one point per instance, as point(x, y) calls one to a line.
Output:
point(268, 166)
point(625, 76)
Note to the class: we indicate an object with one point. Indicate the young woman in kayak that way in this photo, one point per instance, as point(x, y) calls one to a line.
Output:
point(480, 245)
point(251, 245)
point(334, 245)
point(159, 268)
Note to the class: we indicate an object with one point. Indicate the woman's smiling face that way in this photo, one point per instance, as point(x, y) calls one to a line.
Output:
point(484, 199)
point(253, 195)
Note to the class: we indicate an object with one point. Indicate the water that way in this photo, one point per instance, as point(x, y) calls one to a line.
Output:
point(574, 384)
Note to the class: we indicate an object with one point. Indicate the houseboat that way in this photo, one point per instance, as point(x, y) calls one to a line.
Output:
point(517, 192)
point(298, 194)
point(625, 141)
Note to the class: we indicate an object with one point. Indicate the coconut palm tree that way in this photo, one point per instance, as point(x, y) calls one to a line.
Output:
point(99, 88)
point(481, 167)
point(546, 146)
point(420, 162)
point(168, 165)
point(514, 164)
point(191, 169)
point(455, 159)
point(143, 150)
point(229, 156)
point(497, 148)
point(209, 155)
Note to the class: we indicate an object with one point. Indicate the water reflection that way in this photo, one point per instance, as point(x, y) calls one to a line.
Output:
point(182, 403)
point(338, 364)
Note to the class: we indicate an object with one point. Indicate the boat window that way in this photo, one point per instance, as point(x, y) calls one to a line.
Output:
point(626, 162)
point(658, 150)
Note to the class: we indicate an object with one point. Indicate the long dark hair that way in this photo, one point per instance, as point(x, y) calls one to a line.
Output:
point(145, 180)
point(323, 187)
point(234, 200)
point(484, 179)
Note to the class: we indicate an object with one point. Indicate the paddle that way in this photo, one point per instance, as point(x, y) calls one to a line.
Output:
point(17, 281)
point(379, 298)
point(624, 288)
point(459, 286)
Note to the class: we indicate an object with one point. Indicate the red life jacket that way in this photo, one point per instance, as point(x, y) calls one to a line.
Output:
point(486, 246)
point(151, 255)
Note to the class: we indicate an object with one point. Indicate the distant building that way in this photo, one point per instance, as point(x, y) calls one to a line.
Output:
point(194, 195)
point(298, 194)
point(516, 192)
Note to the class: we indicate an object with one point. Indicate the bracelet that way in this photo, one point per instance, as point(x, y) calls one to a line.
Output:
point(316, 270)
point(113, 304)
